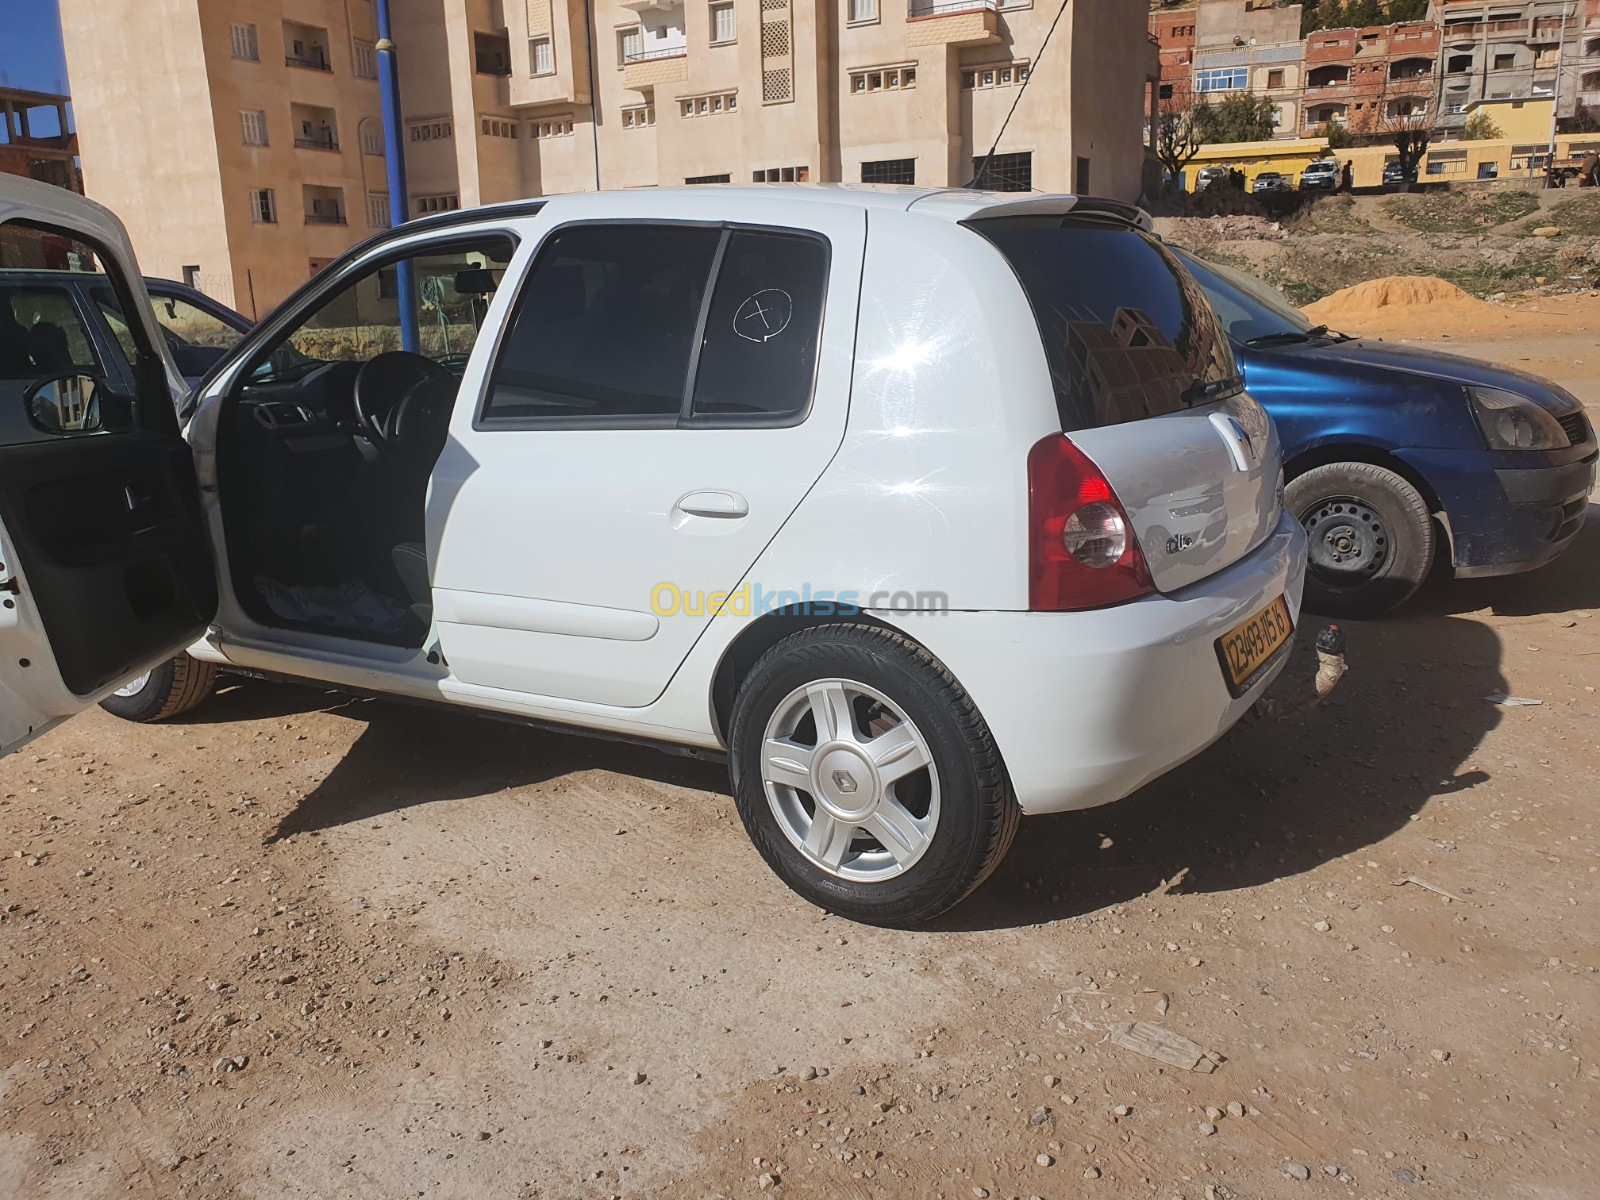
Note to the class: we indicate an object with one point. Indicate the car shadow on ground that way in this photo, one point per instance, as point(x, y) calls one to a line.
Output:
point(414, 754)
point(1268, 801)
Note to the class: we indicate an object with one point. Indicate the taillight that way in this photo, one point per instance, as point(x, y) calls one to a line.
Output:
point(1082, 552)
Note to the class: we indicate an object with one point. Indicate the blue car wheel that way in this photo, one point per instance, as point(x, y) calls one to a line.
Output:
point(1371, 540)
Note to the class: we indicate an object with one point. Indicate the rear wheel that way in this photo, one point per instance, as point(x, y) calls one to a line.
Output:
point(866, 776)
point(174, 687)
point(1371, 538)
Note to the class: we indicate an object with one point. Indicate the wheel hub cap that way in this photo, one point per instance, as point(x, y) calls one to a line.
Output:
point(1349, 543)
point(850, 780)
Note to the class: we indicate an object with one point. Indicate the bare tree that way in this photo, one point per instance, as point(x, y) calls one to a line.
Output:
point(1402, 116)
point(1184, 118)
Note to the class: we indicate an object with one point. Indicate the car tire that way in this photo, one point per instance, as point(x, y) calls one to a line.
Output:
point(174, 687)
point(1372, 539)
point(862, 727)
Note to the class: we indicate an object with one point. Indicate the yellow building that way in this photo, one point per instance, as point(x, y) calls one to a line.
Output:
point(241, 143)
point(1287, 156)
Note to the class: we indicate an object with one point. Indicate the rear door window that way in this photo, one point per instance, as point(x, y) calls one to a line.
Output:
point(758, 357)
point(1127, 332)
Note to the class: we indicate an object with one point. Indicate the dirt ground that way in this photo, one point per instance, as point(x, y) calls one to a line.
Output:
point(299, 945)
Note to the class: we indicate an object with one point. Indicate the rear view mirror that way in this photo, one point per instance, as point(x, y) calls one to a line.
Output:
point(479, 281)
point(65, 404)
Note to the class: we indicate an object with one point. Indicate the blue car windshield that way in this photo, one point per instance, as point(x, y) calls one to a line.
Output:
point(1248, 308)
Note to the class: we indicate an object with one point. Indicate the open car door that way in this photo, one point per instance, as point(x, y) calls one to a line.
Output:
point(105, 569)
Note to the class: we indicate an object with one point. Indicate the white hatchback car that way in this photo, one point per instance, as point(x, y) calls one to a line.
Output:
point(928, 508)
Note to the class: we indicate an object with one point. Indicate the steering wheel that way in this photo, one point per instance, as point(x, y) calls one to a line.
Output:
point(420, 425)
point(382, 386)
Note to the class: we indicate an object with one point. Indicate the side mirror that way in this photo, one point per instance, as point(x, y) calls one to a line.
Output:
point(65, 404)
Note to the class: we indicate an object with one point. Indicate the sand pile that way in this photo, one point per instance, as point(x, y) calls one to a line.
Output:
point(1409, 306)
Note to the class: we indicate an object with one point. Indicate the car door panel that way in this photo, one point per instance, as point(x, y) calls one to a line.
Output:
point(611, 547)
point(105, 568)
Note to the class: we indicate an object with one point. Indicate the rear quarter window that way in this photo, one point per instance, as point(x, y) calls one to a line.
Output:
point(1127, 332)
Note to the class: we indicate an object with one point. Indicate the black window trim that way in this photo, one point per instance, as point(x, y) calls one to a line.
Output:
point(484, 422)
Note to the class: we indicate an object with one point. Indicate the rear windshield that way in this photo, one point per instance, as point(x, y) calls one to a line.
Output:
point(1127, 331)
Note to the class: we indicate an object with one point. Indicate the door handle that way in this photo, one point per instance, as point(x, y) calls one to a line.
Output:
point(713, 504)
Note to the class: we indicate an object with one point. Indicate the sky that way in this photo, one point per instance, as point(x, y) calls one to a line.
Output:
point(30, 46)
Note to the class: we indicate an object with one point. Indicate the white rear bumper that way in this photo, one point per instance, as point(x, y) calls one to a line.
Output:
point(1086, 707)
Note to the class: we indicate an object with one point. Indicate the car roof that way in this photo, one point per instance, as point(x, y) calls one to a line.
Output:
point(951, 204)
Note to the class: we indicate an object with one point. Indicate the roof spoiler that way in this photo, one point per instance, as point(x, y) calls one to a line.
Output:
point(1036, 205)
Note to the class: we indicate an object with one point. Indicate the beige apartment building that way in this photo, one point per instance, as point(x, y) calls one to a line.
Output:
point(242, 143)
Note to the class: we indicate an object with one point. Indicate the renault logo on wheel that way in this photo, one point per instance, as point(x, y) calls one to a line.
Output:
point(844, 781)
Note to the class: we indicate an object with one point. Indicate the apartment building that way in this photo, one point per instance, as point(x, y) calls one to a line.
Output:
point(1367, 78)
point(1589, 59)
point(1504, 49)
point(1254, 46)
point(1173, 30)
point(243, 143)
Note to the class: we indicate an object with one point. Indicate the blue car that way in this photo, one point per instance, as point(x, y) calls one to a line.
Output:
point(1395, 456)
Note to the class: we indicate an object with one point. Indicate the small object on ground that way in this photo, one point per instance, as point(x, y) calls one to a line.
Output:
point(1406, 1175)
point(767, 1181)
point(1426, 886)
point(1207, 1128)
point(1298, 1171)
point(1121, 1110)
point(1163, 1003)
point(808, 1074)
point(1505, 701)
point(1548, 231)
point(636, 1077)
point(1213, 1114)
point(1235, 1109)
point(1050, 1081)
point(1322, 926)
point(1044, 1160)
point(1091, 1172)
point(1161, 1044)
point(1040, 1117)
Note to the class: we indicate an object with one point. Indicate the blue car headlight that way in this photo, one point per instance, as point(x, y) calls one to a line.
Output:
point(1513, 422)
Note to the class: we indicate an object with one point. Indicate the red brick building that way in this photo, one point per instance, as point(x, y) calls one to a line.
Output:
point(1173, 30)
point(36, 139)
point(1353, 76)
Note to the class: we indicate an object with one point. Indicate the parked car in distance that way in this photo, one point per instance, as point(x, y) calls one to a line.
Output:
point(687, 468)
point(1395, 455)
point(1209, 176)
point(53, 319)
point(1272, 181)
point(1394, 175)
point(1321, 176)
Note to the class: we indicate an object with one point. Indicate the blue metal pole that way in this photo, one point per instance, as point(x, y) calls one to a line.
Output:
point(395, 160)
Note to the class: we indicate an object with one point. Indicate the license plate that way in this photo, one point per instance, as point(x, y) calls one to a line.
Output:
point(1245, 649)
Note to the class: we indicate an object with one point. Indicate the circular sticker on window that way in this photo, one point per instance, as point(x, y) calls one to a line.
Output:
point(764, 315)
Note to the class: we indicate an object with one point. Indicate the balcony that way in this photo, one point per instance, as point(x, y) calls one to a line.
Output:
point(951, 22)
point(644, 69)
point(314, 128)
point(306, 47)
point(324, 205)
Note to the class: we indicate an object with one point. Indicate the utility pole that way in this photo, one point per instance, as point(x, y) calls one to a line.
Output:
point(395, 159)
point(1555, 101)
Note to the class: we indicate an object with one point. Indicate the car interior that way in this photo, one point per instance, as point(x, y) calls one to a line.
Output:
point(326, 444)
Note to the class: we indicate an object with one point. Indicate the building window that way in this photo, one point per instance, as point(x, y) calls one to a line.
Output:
point(1222, 79)
point(642, 117)
point(498, 127)
point(491, 54)
point(432, 131)
point(1275, 78)
point(550, 127)
point(245, 44)
point(1504, 62)
point(890, 170)
point(324, 205)
point(863, 10)
point(708, 106)
point(253, 125)
point(437, 204)
point(781, 175)
point(378, 210)
point(264, 206)
point(372, 141)
point(1080, 177)
point(366, 60)
point(630, 44)
point(998, 75)
point(723, 28)
point(708, 179)
point(880, 79)
point(543, 55)
point(1004, 173)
